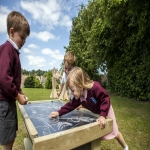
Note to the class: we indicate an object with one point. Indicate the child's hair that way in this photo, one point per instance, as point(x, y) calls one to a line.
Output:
point(18, 22)
point(80, 78)
point(69, 58)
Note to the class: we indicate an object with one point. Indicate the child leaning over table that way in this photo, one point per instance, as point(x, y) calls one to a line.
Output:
point(10, 77)
point(92, 97)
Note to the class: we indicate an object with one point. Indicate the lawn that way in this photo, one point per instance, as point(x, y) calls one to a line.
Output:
point(132, 118)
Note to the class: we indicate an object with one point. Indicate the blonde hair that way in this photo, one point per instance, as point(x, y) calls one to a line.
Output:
point(69, 58)
point(80, 78)
point(17, 21)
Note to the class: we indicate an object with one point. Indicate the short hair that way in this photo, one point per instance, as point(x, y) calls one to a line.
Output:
point(17, 21)
point(79, 77)
point(69, 58)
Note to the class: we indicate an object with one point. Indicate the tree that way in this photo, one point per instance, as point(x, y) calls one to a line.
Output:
point(48, 84)
point(79, 40)
point(37, 83)
point(114, 35)
point(29, 82)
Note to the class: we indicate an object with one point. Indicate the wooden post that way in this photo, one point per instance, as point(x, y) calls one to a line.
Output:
point(53, 92)
point(95, 145)
point(55, 75)
point(64, 94)
point(27, 144)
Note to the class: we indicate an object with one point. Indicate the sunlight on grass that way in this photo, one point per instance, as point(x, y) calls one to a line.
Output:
point(37, 94)
point(132, 118)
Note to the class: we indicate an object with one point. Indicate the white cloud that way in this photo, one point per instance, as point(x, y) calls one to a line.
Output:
point(53, 53)
point(26, 50)
point(66, 22)
point(4, 11)
point(49, 13)
point(33, 46)
point(52, 63)
point(44, 36)
point(36, 61)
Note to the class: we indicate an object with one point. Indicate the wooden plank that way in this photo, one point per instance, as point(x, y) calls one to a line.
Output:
point(72, 138)
point(42, 101)
point(31, 129)
point(29, 125)
point(23, 112)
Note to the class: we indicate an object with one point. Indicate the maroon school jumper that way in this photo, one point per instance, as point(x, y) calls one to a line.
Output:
point(96, 100)
point(10, 72)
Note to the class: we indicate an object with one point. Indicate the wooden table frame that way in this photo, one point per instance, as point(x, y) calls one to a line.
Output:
point(68, 139)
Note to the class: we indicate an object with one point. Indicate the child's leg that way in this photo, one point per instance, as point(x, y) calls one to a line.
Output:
point(121, 140)
point(8, 124)
point(8, 146)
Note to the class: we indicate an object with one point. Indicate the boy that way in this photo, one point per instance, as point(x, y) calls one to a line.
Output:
point(69, 61)
point(10, 77)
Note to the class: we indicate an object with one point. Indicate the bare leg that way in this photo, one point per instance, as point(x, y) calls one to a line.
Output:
point(121, 140)
point(8, 146)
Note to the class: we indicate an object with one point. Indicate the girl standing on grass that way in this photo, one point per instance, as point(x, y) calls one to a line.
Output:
point(93, 97)
point(69, 63)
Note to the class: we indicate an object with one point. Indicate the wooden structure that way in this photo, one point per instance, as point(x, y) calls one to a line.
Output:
point(75, 138)
point(64, 94)
point(55, 75)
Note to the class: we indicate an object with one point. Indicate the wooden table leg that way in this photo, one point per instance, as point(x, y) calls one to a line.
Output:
point(27, 144)
point(96, 144)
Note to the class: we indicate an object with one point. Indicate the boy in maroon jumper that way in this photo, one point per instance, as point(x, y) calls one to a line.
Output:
point(10, 77)
point(93, 97)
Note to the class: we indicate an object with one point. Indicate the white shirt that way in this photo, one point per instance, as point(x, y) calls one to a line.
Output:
point(64, 78)
point(13, 44)
point(63, 81)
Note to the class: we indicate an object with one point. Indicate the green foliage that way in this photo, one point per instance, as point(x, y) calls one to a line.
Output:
point(33, 72)
point(78, 44)
point(48, 84)
point(29, 82)
point(32, 82)
point(113, 35)
point(126, 51)
point(37, 83)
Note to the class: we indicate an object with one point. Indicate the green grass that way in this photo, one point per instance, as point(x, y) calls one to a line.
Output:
point(133, 121)
point(132, 118)
point(37, 94)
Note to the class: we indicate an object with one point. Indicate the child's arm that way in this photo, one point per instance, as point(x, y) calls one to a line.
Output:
point(68, 107)
point(54, 114)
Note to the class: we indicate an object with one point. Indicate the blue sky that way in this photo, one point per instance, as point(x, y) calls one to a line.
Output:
point(50, 24)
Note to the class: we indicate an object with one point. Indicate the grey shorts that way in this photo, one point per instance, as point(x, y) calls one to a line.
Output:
point(8, 122)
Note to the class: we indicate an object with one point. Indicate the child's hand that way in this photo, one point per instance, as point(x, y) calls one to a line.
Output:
point(54, 114)
point(78, 108)
point(22, 99)
point(101, 121)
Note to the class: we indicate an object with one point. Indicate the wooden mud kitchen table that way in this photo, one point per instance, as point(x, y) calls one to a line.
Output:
point(77, 130)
